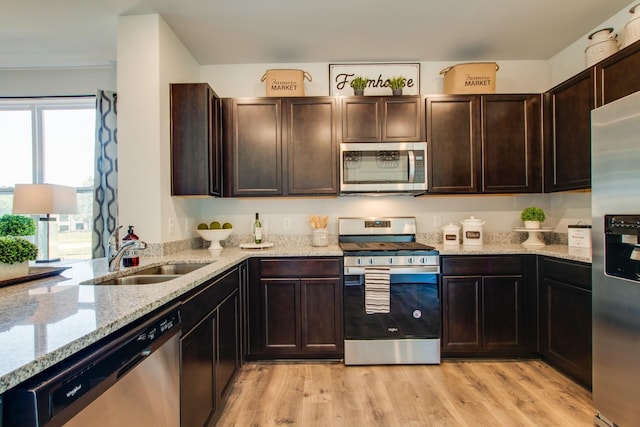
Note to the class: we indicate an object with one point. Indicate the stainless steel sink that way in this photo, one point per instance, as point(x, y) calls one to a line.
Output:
point(139, 279)
point(151, 275)
point(170, 269)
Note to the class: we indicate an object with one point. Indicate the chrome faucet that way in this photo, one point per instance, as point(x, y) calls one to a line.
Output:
point(117, 250)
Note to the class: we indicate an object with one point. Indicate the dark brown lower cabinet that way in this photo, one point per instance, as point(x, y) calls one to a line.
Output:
point(295, 308)
point(210, 348)
point(565, 317)
point(488, 306)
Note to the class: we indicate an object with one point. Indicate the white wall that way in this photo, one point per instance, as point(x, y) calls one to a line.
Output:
point(149, 57)
point(230, 81)
point(571, 60)
point(56, 82)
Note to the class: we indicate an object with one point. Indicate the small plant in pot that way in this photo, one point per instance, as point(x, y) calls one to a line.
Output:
point(532, 217)
point(358, 84)
point(396, 84)
point(15, 254)
point(17, 225)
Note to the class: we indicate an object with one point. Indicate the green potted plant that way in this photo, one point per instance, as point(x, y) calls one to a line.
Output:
point(358, 84)
point(17, 225)
point(15, 254)
point(396, 84)
point(532, 217)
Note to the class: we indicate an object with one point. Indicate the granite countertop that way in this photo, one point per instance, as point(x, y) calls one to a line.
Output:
point(44, 321)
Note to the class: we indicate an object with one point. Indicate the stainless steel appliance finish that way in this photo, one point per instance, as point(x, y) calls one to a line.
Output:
point(410, 332)
point(131, 380)
point(616, 289)
point(389, 167)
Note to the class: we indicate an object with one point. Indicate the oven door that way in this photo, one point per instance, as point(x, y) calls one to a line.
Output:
point(414, 310)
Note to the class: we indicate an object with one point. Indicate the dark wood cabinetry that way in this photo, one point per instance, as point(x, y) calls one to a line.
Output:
point(489, 306)
point(196, 145)
point(565, 317)
point(295, 308)
point(567, 134)
point(210, 347)
point(511, 144)
point(380, 119)
point(488, 143)
point(281, 147)
point(617, 76)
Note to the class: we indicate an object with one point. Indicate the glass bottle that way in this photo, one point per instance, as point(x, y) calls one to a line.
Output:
point(257, 230)
point(130, 259)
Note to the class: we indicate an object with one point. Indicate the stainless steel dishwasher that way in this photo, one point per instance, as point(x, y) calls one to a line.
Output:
point(132, 380)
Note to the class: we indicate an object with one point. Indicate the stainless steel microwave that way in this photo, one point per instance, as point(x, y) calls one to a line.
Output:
point(386, 167)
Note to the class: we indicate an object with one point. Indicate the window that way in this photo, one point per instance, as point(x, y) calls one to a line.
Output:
point(51, 141)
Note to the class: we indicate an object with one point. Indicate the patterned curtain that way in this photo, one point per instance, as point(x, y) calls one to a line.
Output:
point(105, 190)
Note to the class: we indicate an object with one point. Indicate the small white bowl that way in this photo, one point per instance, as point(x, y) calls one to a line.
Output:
point(215, 236)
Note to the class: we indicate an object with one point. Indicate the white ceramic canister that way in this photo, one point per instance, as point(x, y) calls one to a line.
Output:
point(451, 234)
point(602, 43)
point(632, 28)
point(472, 231)
point(320, 237)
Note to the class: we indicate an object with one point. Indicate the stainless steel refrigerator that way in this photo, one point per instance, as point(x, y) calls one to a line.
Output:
point(615, 204)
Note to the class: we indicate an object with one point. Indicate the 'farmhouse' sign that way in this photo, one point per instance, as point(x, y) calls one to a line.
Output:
point(340, 76)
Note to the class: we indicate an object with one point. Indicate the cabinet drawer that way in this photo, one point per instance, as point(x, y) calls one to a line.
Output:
point(572, 273)
point(481, 265)
point(300, 267)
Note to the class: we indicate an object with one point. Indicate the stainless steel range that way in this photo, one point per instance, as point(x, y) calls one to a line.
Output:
point(391, 293)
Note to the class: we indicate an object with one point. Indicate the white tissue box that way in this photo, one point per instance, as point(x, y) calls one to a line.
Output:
point(579, 236)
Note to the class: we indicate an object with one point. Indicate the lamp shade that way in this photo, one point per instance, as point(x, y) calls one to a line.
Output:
point(44, 199)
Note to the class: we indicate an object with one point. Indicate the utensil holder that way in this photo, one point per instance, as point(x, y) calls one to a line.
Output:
point(320, 237)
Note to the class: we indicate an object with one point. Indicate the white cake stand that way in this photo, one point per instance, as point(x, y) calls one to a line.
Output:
point(534, 235)
point(215, 236)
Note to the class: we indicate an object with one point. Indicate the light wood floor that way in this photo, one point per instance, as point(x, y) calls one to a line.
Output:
point(465, 393)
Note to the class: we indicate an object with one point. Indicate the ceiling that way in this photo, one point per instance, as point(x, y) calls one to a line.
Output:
point(81, 33)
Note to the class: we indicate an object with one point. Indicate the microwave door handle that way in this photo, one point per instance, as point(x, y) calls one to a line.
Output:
point(412, 165)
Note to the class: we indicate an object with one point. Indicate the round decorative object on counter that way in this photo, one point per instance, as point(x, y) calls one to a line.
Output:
point(320, 237)
point(472, 231)
point(534, 238)
point(215, 236)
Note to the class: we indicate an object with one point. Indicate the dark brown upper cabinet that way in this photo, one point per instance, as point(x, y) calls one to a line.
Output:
point(380, 119)
point(567, 133)
point(511, 144)
point(618, 76)
point(196, 146)
point(281, 146)
point(453, 138)
point(484, 143)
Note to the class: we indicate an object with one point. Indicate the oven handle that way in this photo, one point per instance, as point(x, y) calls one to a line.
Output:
point(423, 269)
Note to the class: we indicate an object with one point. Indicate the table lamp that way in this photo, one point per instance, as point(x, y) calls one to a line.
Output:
point(45, 200)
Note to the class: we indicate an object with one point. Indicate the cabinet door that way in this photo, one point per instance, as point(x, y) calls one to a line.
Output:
point(502, 313)
point(617, 76)
point(461, 325)
point(228, 347)
point(281, 308)
point(511, 144)
point(312, 149)
point(198, 402)
point(401, 118)
point(565, 317)
point(196, 163)
point(321, 315)
point(361, 119)
point(253, 143)
point(453, 135)
point(567, 135)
